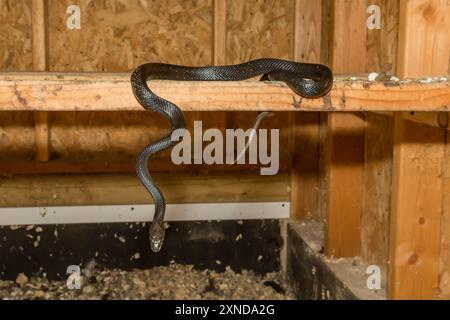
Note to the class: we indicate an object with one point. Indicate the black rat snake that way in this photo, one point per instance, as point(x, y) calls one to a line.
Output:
point(307, 80)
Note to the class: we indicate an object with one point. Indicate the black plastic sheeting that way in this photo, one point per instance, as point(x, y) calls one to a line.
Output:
point(50, 249)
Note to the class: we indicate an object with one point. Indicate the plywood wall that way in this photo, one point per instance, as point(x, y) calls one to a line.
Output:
point(120, 135)
point(15, 35)
point(119, 35)
point(16, 135)
point(259, 29)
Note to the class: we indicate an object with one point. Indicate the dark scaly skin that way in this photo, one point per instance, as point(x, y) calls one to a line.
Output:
point(307, 80)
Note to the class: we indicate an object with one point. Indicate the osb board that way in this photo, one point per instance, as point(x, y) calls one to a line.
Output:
point(257, 29)
point(122, 135)
point(382, 44)
point(55, 190)
point(119, 35)
point(16, 135)
point(15, 35)
point(104, 135)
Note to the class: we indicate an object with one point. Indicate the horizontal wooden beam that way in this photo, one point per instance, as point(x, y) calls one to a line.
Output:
point(111, 189)
point(433, 119)
point(112, 92)
point(13, 167)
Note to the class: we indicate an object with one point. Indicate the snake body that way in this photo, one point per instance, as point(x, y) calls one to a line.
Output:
point(307, 80)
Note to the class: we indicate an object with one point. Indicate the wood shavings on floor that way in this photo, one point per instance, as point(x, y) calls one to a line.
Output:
point(170, 282)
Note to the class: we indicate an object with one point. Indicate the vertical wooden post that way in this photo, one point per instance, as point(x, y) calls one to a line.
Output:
point(378, 143)
point(38, 14)
point(344, 145)
point(219, 54)
point(305, 130)
point(219, 32)
point(417, 188)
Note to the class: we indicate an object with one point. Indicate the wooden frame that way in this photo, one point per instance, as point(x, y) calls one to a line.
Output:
point(413, 244)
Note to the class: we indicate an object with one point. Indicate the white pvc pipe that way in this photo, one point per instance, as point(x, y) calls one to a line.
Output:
point(142, 213)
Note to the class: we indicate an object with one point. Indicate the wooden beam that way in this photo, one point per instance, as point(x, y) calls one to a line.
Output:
point(38, 18)
point(375, 219)
point(424, 38)
point(348, 50)
point(14, 167)
point(444, 259)
point(42, 135)
point(432, 119)
point(219, 55)
point(112, 92)
point(416, 211)
point(381, 56)
point(39, 38)
point(305, 129)
point(307, 33)
point(181, 187)
point(344, 145)
point(344, 178)
point(417, 190)
point(219, 32)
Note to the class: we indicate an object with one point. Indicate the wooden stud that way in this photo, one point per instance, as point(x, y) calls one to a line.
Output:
point(42, 133)
point(219, 32)
point(444, 259)
point(375, 219)
point(416, 210)
point(344, 178)
point(417, 190)
point(378, 141)
point(424, 38)
point(381, 55)
point(344, 143)
point(305, 129)
point(307, 33)
point(42, 136)
point(219, 52)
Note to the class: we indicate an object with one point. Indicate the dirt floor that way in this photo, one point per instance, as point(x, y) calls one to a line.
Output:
point(171, 282)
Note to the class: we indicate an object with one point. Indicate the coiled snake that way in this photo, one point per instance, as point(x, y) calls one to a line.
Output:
point(307, 80)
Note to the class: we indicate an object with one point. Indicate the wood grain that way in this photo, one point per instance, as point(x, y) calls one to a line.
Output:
point(381, 56)
point(112, 92)
point(102, 189)
point(424, 38)
point(305, 129)
point(39, 37)
point(378, 146)
point(345, 163)
point(219, 32)
point(416, 210)
point(417, 190)
point(344, 142)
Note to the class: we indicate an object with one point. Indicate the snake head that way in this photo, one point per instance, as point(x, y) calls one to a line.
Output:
point(156, 234)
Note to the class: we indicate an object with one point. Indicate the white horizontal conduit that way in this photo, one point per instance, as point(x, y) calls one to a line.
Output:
point(143, 212)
